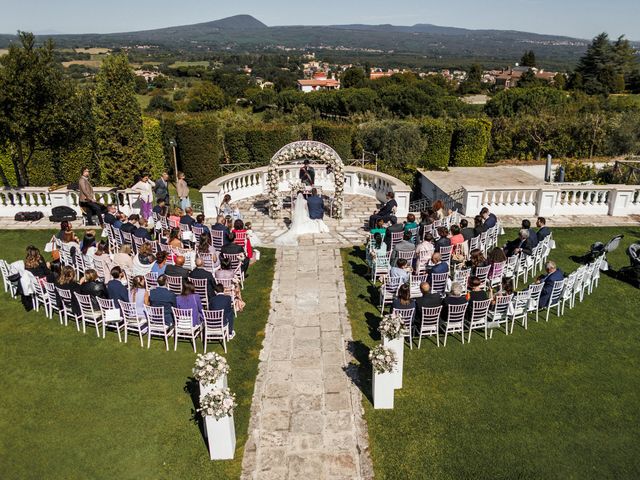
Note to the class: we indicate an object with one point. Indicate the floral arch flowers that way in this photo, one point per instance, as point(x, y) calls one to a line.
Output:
point(311, 150)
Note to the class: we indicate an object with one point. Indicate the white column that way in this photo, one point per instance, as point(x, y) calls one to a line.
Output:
point(547, 201)
point(472, 201)
point(397, 346)
point(621, 200)
point(382, 390)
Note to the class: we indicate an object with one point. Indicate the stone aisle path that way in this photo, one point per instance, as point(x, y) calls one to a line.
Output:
point(306, 415)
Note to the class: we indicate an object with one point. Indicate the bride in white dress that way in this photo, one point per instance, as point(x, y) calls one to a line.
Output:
point(301, 224)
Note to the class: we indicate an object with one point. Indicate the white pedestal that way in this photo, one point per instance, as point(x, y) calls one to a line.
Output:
point(382, 388)
point(221, 437)
point(397, 346)
point(209, 387)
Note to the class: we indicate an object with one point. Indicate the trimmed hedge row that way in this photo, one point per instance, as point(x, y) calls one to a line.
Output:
point(199, 148)
point(470, 142)
point(337, 135)
point(438, 134)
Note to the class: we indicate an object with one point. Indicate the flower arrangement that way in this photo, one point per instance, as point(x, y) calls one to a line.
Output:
point(391, 326)
point(218, 404)
point(209, 367)
point(383, 359)
point(304, 149)
point(297, 187)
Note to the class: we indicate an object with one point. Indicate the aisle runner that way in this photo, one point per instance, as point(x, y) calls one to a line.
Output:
point(306, 416)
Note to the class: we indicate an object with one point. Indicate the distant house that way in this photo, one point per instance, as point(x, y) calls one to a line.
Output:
point(318, 82)
point(149, 75)
point(377, 73)
point(509, 78)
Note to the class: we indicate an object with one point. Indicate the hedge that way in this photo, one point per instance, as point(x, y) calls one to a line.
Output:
point(470, 142)
point(235, 144)
point(7, 172)
point(438, 135)
point(154, 149)
point(258, 143)
point(199, 149)
point(339, 136)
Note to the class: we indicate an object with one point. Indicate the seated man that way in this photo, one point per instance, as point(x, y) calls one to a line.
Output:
point(489, 219)
point(543, 230)
point(520, 244)
point(404, 245)
point(220, 301)
point(130, 226)
point(427, 300)
point(533, 237)
point(200, 224)
point(221, 225)
point(437, 265)
point(466, 230)
point(316, 205)
point(161, 207)
point(178, 269)
point(110, 216)
point(141, 231)
point(400, 270)
point(163, 297)
point(115, 288)
point(187, 218)
point(455, 296)
point(233, 249)
point(386, 213)
point(554, 274)
point(443, 240)
point(200, 273)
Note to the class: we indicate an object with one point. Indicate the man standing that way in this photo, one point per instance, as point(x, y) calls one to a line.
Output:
point(162, 188)
point(307, 174)
point(316, 205)
point(386, 212)
point(87, 199)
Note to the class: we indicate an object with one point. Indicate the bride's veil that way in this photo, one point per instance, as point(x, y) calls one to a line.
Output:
point(300, 213)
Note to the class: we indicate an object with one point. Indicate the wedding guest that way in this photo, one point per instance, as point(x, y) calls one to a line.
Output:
point(444, 240)
point(403, 300)
point(143, 261)
point(466, 231)
point(476, 259)
point(386, 213)
point(522, 244)
point(379, 228)
point(66, 226)
point(110, 216)
point(411, 222)
point(424, 251)
point(489, 219)
point(554, 274)
point(177, 270)
point(123, 258)
point(102, 261)
point(160, 264)
point(404, 245)
point(162, 188)
point(130, 225)
point(252, 236)
point(201, 274)
point(161, 208)
point(115, 288)
point(478, 226)
point(174, 218)
point(142, 230)
point(234, 249)
point(221, 226)
point(226, 273)
point(88, 247)
point(174, 238)
point(67, 281)
point(543, 230)
point(200, 223)
point(139, 295)
point(238, 230)
point(427, 300)
point(35, 263)
point(477, 292)
point(307, 174)
point(400, 270)
point(187, 218)
point(377, 249)
point(161, 296)
point(425, 222)
point(90, 285)
point(438, 209)
point(533, 237)
point(87, 199)
point(456, 236)
point(455, 296)
point(144, 188)
point(223, 302)
point(70, 243)
point(394, 228)
point(190, 300)
point(183, 191)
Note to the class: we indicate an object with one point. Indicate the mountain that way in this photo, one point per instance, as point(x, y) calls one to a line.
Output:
point(420, 44)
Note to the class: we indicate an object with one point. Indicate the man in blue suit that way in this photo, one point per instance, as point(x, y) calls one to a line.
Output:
point(316, 205)
point(386, 212)
point(554, 274)
point(115, 288)
point(489, 219)
point(163, 297)
point(220, 301)
point(543, 231)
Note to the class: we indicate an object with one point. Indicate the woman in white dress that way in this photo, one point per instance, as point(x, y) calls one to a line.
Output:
point(301, 224)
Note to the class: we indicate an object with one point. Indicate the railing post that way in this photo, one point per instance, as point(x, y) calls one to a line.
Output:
point(621, 200)
point(546, 201)
point(61, 198)
point(472, 201)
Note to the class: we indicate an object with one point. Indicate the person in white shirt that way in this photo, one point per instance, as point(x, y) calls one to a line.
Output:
point(145, 188)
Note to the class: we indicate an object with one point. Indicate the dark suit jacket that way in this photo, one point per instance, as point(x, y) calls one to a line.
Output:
point(109, 218)
point(142, 232)
point(128, 227)
point(468, 233)
point(223, 302)
point(533, 238)
point(442, 242)
point(398, 227)
point(175, 271)
point(439, 268)
point(451, 300)
point(490, 221)
point(117, 291)
point(429, 300)
point(233, 248)
point(316, 207)
point(161, 189)
point(549, 280)
point(543, 233)
point(387, 208)
point(222, 228)
point(201, 273)
point(163, 297)
point(187, 220)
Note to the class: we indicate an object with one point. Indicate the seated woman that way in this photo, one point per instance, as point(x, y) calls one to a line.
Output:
point(160, 264)
point(143, 261)
point(229, 210)
point(240, 231)
point(123, 258)
point(174, 218)
point(252, 236)
point(476, 259)
point(226, 273)
point(456, 237)
point(438, 209)
point(379, 228)
point(403, 300)
point(88, 247)
point(102, 260)
point(190, 300)
point(70, 242)
point(65, 226)
point(174, 238)
point(410, 223)
point(377, 250)
point(444, 240)
point(35, 264)
point(90, 285)
point(424, 251)
point(139, 295)
point(425, 221)
point(478, 226)
point(206, 246)
point(67, 281)
point(496, 255)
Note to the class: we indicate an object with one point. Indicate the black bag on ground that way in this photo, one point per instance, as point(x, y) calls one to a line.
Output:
point(28, 216)
point(60, 214)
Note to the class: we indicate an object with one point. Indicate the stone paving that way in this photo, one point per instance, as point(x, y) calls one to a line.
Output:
point(306, 415)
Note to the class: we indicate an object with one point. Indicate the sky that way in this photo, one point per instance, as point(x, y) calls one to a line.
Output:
point(575, 18)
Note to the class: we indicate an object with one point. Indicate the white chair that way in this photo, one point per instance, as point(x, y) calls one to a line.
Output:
point(415, 282)
point(478, 319)
point(586, 280)
point(174, 284)
point(482, 274)
point(8, 285)
point(407, 322)
point(214, 328)
point(88, 313)
point(197, 232)
point(201, 289)
point(461, 276)
point(207, 261)
point(429, 324)
point(445, 253)
point(474, 244)
point(556, 298)
point(595, 275)
point(111, 316)
point(183, 327)
point(66, 301)
point(156, 325)
point(381, 266)
point(217, 239)
point(520, 308)
point(388, 290)
point(50, 290)
point(137, 243)
point(414, 234)
point(495, 274)
point(396, 237)
point(577, 285)
point(229, 285)
point(407, 255)
point(151, 281)
point(511, 266)
point(567, 291)
point(80, 264)
point(535, 290)
point(455, 321)
point(525, 266)
point(133, 322)
point(40, 297)
point(439, 282)
point(499, 315)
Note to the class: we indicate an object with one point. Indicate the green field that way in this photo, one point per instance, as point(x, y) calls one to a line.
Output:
point(204, 63)
point(558, 401)
point(76, 406)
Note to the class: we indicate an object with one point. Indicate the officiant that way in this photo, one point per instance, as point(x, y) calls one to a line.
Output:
point(307, 174)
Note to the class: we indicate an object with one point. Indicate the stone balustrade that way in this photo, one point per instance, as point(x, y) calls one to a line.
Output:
point(358, 181)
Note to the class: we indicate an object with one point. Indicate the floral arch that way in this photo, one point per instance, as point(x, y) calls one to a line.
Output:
point(304, 149)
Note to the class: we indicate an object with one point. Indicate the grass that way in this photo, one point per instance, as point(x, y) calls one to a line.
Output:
point(559, 401)
point(203, 63)
point(75, 406)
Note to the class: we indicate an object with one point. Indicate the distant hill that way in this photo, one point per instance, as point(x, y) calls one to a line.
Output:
point(430, 43)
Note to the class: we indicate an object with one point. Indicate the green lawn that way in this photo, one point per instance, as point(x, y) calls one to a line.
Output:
point(559, 401)
point(75, 406)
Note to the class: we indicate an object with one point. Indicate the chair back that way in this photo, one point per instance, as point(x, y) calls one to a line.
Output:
point(137, 243)
point(521, 302)
point(501, 307)
point(416, 280)
point(50, 291)
point(445, 252)
point(217, 239)
point(391, 285)
point(86, 306)
point(228, 284)
point(174, 284)
point(155, 317)
point(497, 270)
point(414, 234)
point(431, 316)
point(396, 237)
point(183, 318)
point(407, 316)
point(126, 237)
point(461, 276)
point(474, 243)
point(482, 273)
point(184, 227)
point(535, 290)
point(480, 310)
point(235, 259)
point(439, 282)
point(456, 313)
point(556, 292)
point(130, 312)
point(241, 239)
point(213, 320)
point(201, 289)
point(151, 281)
point(197, 232)
point(407, 255)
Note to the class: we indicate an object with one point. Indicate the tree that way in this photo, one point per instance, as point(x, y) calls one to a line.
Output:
point(528, 79)
point(119, 134)
point(39, 108)
point(160, 103)
point(353, 77)
point(141, 85)
point(473, 82)
point(205, 96)
point(528, 59)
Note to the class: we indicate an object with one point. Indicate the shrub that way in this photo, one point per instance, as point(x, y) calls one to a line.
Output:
point(198, 148)
point(339, 136)
point(577, 171)
point(470, 142)
point(7, 172)
point(153, 143)
point(235, 144)
point(264, 141)
point(438, 135)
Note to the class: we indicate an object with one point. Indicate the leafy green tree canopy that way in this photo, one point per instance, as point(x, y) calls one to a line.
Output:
point(353, 77)
point(205, 96)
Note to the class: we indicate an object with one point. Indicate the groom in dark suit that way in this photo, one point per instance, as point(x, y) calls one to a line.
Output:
point(316, 205)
